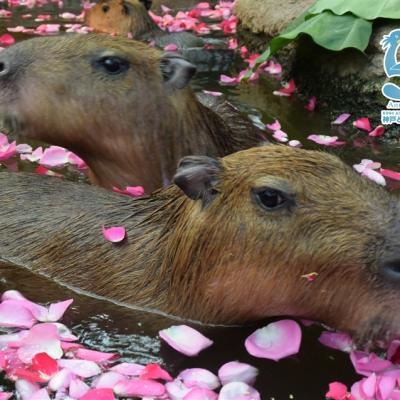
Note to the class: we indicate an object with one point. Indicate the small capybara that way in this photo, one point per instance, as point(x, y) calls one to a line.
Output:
point(131, 17)
point(229, 243)
point(123, 107)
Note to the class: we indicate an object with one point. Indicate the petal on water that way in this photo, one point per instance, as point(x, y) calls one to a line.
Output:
point(235, 371)
point(199, 377)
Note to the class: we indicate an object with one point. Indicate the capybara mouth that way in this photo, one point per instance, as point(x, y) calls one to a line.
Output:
point(11, 124)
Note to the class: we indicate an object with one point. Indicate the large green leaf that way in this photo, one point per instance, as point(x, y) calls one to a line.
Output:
point(331, 31)
point(367, 9)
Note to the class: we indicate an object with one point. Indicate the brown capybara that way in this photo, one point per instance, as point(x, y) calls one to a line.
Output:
point(123, 107)
point(131, 17)
point(230, 244)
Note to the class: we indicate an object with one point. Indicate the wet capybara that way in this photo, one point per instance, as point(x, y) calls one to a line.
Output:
point(123, 107)
point(228, 243)
point(131, 17)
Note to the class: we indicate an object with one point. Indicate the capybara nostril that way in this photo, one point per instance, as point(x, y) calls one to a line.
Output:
point(4, 68)
point(391, 268)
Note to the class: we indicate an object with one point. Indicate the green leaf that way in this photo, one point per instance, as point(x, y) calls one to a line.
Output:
point(367, 9)
point(331, 31)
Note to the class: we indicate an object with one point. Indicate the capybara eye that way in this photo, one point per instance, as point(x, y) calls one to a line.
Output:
point(112, 65)
point(105, 8)
point(125, 9)
point(270, 199)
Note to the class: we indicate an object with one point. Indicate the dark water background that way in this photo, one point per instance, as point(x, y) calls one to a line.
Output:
point(132, 333)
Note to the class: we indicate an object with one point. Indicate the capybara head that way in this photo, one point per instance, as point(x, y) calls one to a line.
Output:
point(102, 97)
point(121, 17)
point(263, 219)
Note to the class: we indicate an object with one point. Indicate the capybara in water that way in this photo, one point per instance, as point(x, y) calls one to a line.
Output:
point(228, 245)
point(123, 107)
point(123, 17)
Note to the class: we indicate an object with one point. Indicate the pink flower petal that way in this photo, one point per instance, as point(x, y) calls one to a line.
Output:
point(386, 385)
point(54, 156)
point(13, 314)
point(185, 339)
point(275, 341)
point(295, 143)
point(6, 40)
point(363, 123)
point(337, 391)
point(177, 390)
point(154, 371)
point(280, 136)
point(337, 340)
point(238, 391)
point(275, 126)
point(378, 131)
point(365, 364)
point(368, 386)
point(139, 388)
point(57, 310)
point(390, 174)
point(24, 148)
point(99, 394)
point(26, 389)
point(211, 93)
point(62, 379)
point(288, 89)
point(128, 369)
point(114, 234)
point(45, 365)
point(311, 104)
point(96, 356)
point(235, 371)
point(374, 176)
point(133, 191)
point(41, 394)
point(341, 118)
point(273, 68)
point(199, 377)
point(171, 47)
point(5, 395)
point(201, 394)
point(325, 140)
point(228, 80)
point(81, 368)
point(108, 380)
point(78, 388)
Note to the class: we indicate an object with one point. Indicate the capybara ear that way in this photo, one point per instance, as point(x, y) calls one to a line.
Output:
point(197, 176)
point(176, 70)
point(147, 3)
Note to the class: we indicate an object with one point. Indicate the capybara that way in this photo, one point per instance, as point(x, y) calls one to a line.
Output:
point(123, 107)
point(229, 243)
point(123, 17)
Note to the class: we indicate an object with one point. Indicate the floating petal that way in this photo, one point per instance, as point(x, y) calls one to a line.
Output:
point(235, 371)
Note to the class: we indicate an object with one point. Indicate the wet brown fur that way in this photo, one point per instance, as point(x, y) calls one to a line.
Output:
point(131, 129)
point(229, 261)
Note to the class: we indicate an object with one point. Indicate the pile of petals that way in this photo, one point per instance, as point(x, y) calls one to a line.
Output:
point(193, 20)
point(380, 376)
point(45, 361)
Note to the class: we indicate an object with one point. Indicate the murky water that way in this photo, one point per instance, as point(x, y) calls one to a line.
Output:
point(105, 326)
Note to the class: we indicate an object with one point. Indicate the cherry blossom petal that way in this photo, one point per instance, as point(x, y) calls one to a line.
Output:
point(171, 47)
point(57, 310)
point(41, 394)
point(228, 80)
point(363, 123)
point(238, 391)
point(62, 379)
point(378, 131)
point(273, 68)
point(199, 377)
point(295, 143)
point(98, 394)
point(235, 371)
point(386, 385)
point(275, 341)
point(114, 234)
point(374, 176)
point(341, 118)
point(54, 156)
point(185, 339)
point(133, 191)
point(24, 148)
point(337, 340)
point(139, 388)
point(368, 386)
point(26, 389)
point(280, 136)
point(81, 368)
point(325, 140)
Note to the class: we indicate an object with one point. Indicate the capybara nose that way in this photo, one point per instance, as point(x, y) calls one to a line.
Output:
point(391, 268)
